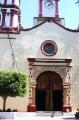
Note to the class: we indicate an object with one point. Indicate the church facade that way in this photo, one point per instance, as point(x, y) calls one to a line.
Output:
point(48, 53)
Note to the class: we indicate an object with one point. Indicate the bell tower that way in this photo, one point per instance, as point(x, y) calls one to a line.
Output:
point(10, 16)
point(48, 10)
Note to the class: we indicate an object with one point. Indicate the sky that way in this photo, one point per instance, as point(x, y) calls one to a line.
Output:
point(67, 9)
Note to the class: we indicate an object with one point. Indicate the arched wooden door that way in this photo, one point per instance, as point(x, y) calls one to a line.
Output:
point(49, 92)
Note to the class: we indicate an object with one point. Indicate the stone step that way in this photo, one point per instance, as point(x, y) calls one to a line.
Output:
point(52, 113)
point(44, 114)
point(24, 114)
point(39, 113)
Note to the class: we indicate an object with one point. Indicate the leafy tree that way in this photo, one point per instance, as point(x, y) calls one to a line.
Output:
point(12, 84)
point(77, 2)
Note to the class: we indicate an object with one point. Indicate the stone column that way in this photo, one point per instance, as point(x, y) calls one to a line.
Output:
point(32, 85)
point(32, 106)
point(66, 92)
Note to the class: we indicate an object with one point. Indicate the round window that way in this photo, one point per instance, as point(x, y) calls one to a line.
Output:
point(49, 48)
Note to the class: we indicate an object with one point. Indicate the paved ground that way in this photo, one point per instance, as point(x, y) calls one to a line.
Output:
point(41, 116)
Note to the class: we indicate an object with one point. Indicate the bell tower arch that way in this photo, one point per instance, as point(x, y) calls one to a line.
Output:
point(10, 15)
point(48, 8)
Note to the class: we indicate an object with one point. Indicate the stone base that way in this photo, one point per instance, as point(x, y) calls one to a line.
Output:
point(67, 108)
point(6, 115)
point(31, 108)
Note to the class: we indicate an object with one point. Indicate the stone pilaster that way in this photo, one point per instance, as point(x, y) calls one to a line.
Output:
point(32, 85)
point(66, 92)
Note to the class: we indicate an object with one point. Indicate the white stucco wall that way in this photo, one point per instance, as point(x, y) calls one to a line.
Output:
point(27, 45)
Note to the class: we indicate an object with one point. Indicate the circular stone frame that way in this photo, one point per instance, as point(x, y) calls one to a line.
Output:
point(53, 45)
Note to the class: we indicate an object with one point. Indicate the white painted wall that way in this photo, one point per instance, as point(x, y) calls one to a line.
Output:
point(15, 21)
point(27, 45)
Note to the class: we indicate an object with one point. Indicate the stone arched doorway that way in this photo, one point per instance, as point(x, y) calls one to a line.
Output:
point(49, 92)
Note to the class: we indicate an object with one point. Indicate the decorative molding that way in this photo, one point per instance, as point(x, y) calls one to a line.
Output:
point(54, 21)
point(50, 62)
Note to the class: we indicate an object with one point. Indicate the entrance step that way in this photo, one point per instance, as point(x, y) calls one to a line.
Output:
point(38, 113)
point(49, 113)
point(24, 114)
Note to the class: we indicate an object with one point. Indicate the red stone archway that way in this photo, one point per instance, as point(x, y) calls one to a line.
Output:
point(58, 67)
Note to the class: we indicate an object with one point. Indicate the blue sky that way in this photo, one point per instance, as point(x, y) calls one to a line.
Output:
point(67, 9)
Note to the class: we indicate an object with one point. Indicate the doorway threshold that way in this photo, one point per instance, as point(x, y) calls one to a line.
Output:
point(49, 113)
